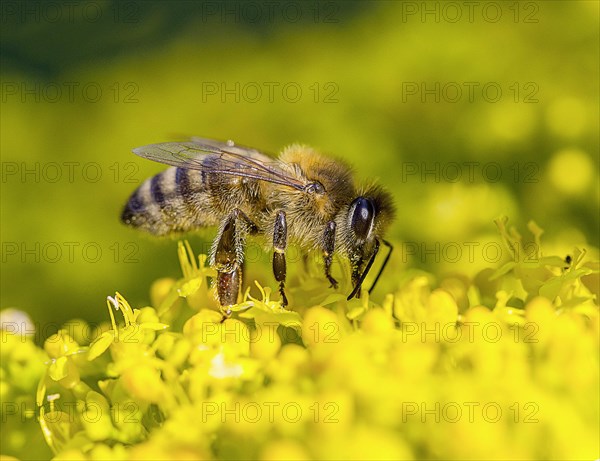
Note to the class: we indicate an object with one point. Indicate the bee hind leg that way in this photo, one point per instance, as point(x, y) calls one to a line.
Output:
point(279, 246)
point(228, 287)
point(227, 258)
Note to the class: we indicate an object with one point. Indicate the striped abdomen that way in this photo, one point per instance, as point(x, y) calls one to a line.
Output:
point(174, 200)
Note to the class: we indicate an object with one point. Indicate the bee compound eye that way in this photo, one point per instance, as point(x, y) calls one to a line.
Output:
point(362, 214)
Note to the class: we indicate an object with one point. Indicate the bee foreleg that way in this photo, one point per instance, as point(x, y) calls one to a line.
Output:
point(356, 262)
point(328, 249)
point(279, 246)
point(228, 255)
point(357, 277)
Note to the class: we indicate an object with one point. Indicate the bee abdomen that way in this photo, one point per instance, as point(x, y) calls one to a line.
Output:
point(172, 201)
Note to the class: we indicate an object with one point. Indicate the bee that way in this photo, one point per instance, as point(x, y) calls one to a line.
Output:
point(302, 197)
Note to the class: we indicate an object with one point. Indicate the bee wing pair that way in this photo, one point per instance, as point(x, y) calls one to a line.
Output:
point(233, 160)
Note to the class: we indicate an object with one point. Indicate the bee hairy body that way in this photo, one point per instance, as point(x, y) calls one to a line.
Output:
point(302, 197)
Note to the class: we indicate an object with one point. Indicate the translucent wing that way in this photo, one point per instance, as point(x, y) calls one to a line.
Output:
point(219, 157)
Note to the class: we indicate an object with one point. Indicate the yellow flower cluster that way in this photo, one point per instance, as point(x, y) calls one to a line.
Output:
point(21, 367)
point(435, 371)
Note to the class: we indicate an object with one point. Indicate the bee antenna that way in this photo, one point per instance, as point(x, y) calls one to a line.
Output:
point(365, 272)
point(385, 261)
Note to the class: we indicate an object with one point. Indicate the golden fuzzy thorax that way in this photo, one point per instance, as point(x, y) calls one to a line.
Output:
point(308, 213)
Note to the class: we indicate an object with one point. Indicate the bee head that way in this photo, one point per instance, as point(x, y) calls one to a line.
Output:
point(367, 217)
point(369, 213)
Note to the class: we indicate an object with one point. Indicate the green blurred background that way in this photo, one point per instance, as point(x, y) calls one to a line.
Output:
point(395, 88)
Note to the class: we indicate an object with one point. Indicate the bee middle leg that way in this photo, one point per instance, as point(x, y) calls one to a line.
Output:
point(228, 256)
point(279, 246)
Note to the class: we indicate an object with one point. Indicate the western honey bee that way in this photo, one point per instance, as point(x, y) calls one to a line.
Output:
point(301, 197)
